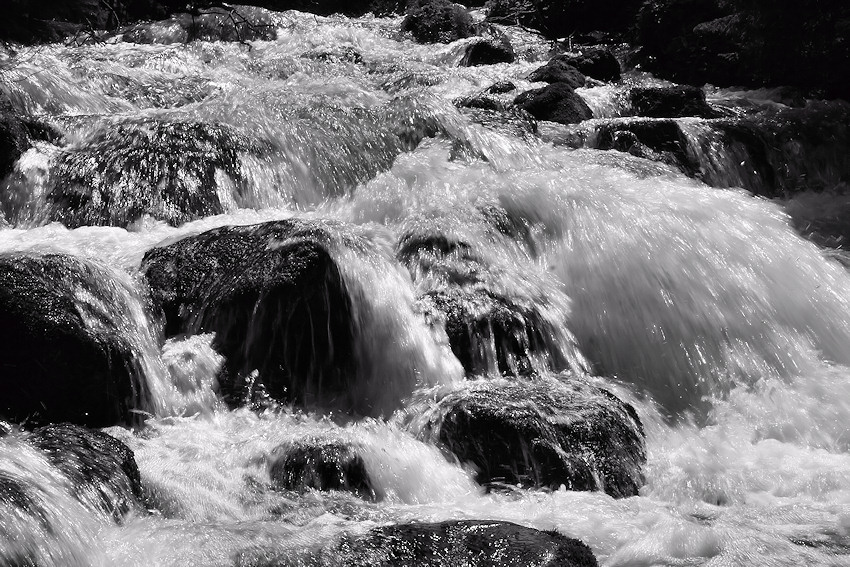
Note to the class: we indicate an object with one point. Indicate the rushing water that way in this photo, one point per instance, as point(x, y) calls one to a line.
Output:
point(726, 330)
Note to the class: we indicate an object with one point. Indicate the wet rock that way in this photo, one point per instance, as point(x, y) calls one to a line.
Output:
point(438, 21)
point(168, 170)
point(500, 87)
point(670, 102)
point(481, 102)
point(558, 71)
point(472, 543)
point(658, 140)
point(320, 464)
point(485, 327)
point(102, 470)
point(541, 433)
point(490, 329)
point(16, 498)
point(557, 102)
point(276, 283)
point(596, 62)
point(65, 347)
point(17, 133)
point(488, 51)
point(512, 121)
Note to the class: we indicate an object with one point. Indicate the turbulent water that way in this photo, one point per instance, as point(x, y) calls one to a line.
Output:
point(702, 306)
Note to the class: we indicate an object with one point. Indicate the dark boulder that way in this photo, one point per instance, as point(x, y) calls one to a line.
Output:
point(65, 357)
point(481, 102)
point(320, 464)
point(276, 283)
point(488, 51)
point(168, 170)
point(102, 470)
point(658, 140)
point(472, 543)
point(670, 102)
point(541, 433)
point(557, 102)
point(596, 62)
point(438, 21)
point(558, 71)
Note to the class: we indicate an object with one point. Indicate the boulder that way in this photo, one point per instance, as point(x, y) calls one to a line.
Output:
point(472, 543)
point(670, 102)
point(500, 87)
point(488, 51)
point(168, 170)
point(102, 470)
point(658, 140)
point(558, 71)
point(438, 21)
point(486, 327)
point(65, 343)
point(320, 464)
point(596, 62)
point(540, 433)
point(275, 283)
point(491, 328)
point(17, 133)
point(557, 102)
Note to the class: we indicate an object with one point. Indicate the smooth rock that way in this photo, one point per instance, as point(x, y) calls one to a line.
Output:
point(102, 469)
point(557, 102)
point(544, 432)
point(65, 347)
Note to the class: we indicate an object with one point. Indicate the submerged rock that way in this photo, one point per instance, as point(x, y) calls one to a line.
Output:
point(670, 102)
point(438, 21)
point(320, 464)
point(541, 433)
point(65, 348)
point(557, 102)
point(277, 302)
point(472, 543)
point(102, 470)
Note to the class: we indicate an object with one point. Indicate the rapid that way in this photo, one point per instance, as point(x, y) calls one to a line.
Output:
point(703, 306)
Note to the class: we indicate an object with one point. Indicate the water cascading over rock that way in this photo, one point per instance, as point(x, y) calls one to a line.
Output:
point(67, 343)
point(282, 306)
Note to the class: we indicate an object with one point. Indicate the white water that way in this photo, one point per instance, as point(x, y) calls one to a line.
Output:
point(726, 330)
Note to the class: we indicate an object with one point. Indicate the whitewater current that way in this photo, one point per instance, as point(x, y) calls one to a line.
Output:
point(701, 306)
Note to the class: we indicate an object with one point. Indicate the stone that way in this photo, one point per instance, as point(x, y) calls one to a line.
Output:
point(557, 102)
point(670, 102)
point(320, 464)
point(102, 469)
point(488, 51)
point(472, 543)
point(167, 170)
point(544, 432)
point(558, 71)
point(438, 21)
point(65, 345)
point(276, 283)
